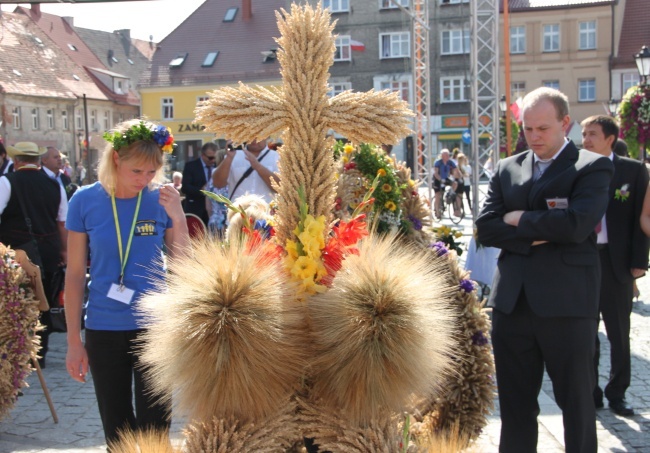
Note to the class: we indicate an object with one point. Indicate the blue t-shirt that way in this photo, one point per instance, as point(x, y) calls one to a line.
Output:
point(444, 169)
point(91, 212)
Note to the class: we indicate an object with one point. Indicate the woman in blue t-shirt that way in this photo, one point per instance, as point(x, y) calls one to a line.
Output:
point(124, 220)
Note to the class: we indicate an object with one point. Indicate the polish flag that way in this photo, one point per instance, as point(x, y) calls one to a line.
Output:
point(357, 45)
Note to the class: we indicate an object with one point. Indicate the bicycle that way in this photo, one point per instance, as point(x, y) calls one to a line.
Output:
point(448, 201)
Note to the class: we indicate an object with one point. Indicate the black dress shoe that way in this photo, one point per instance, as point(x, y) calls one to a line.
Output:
point(621, 407)
point(599, 403)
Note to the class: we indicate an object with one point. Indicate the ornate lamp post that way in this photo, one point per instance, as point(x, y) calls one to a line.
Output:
point(643, 64)
point(612, 106)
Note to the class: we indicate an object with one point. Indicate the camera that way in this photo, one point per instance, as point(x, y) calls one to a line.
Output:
point(229, 147)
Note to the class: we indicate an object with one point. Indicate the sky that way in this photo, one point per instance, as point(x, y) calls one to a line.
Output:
point(143, 18)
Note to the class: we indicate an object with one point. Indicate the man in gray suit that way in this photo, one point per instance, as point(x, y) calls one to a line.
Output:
point(542, 208)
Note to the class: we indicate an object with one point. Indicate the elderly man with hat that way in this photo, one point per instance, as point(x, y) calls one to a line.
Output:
point(33, 208)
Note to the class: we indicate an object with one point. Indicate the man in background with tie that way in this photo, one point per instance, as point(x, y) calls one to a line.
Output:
point(52, 165)
point(541, 211)
point(196, 175)
point(623, 250)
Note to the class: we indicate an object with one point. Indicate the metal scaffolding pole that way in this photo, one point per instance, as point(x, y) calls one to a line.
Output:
point(484, 115)
point(419, 14)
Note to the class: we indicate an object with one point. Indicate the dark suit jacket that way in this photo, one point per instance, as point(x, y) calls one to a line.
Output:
point(628, 245)
point(561, 277)
point(65, 179)
point(194, 179)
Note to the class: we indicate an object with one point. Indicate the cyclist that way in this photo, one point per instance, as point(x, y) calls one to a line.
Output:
point(445, 172)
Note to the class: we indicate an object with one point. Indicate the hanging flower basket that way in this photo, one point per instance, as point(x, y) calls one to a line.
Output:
point(634, 117)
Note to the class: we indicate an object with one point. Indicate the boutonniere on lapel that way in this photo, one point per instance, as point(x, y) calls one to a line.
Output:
point(623, 193)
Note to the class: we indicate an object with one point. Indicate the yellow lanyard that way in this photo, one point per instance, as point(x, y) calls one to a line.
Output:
point(124, 257)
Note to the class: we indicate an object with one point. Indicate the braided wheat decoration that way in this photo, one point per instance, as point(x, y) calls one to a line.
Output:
point(302, 112)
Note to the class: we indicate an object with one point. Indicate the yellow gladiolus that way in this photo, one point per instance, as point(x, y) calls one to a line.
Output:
point(292, 249)
point(304, 268)
point(348, 149)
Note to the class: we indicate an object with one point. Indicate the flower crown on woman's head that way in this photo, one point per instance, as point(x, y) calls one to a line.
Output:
point(160, 134)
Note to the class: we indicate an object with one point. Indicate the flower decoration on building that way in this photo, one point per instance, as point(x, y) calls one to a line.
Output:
point(623, 193)
point(142, 131)
point(634, 118)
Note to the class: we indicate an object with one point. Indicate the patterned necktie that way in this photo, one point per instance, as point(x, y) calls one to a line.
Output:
point(540, 168)
point(208, 173)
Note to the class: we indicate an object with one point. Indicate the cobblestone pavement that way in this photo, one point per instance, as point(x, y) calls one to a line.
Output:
point(30, 428)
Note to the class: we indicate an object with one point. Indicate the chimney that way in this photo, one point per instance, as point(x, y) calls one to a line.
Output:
point(36, 8)
point(246, 9)
point(68, 20)
point(124, 33)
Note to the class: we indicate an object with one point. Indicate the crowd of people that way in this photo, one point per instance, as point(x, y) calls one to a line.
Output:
point(572, 226)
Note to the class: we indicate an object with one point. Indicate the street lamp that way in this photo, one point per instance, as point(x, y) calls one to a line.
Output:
point(612, 106)
point(643, 64)
point(503, 105)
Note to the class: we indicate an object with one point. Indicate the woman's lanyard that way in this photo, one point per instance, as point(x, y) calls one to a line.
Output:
point(124, 256)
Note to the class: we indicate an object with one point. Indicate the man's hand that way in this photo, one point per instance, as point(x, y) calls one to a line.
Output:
point(512, 217)
point(252, 159)
point(636, 273)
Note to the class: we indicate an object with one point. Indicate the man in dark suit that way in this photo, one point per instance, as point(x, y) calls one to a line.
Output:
point(541, 210)
point(623, 249)
point(196, 175)
point(52, 165)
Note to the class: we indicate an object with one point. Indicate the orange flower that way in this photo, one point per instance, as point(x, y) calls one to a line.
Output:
point(381, 172)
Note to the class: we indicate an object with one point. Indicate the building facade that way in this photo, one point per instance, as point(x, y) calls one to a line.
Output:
point(220, 44)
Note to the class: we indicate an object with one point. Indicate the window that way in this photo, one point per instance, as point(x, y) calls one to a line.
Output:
point(587, 35)
point(78, 118)
point(64, 120)
point(402, 87)
point(107, 120)
point(343, 49)
point(453, 89)
point(93, 120)
point(628, 80)
point(555, 84)
point(452, 2)
point(120, 117)
point(129, 60)
point(50, 118)
point(517, 90)
point(119, 88)
point(210, 58)
point(201, 99)
point(337, 6)
point(551, 38)
point(178, 61)
point(455, 42)
point(72, 47)
point(230, 14)
point(587, 90)
point(394, 45)
point(15, 116)
point(35, 124)
point(388, 4)
point(335, 88)
point(518, 39)
point(167, 108)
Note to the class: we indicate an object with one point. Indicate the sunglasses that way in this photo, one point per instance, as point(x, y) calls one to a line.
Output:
point(210, 157)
